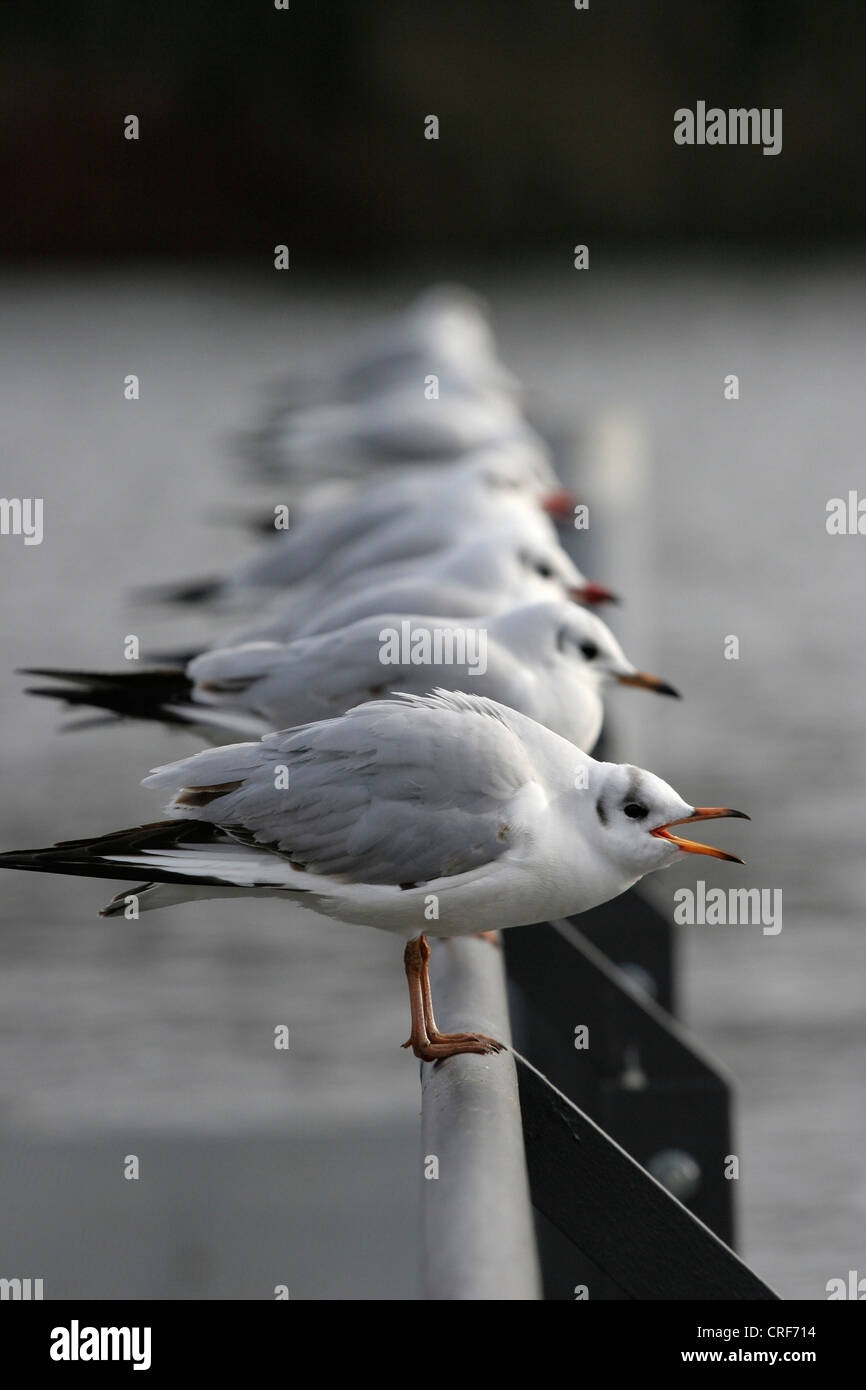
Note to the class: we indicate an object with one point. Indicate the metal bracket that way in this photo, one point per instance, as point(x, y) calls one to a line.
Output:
point(613, 1211)
point(634, 1070)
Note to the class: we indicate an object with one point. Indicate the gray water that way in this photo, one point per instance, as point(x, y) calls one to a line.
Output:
point(155, 1038)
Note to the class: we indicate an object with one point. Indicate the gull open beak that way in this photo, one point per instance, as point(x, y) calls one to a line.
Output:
point(591, 594)
point(661, 832)
point(560, 505)
point(644, 681)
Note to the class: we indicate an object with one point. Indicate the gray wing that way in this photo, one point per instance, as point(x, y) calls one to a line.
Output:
point(417, 596)
point(320, 606)
point(412, 594)
point(312, 548)
point(292, 683)
point(316, 677)
point(396, 792)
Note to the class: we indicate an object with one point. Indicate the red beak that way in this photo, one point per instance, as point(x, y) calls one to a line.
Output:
point(691, 846)
point(591, 594)
point(560, 505)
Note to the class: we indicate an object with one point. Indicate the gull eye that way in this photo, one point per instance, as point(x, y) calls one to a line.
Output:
point(544, 570)
point(635, 811)
point(589, 650)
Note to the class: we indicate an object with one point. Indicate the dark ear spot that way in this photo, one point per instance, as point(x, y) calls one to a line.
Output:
point(601, 812)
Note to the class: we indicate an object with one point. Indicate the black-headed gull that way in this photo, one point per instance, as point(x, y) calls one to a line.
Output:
point(444, 332)
point(446, 324)
point(397, 426)
point(403, 520)
point(424, 385)
point(551, 661)
point(440, 815)
point(490, 574)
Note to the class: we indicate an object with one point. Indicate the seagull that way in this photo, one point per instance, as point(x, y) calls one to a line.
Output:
point(375, 401)
point(397, 429)
point(404, 519)
point(445, 329)
point(444, 814)
point(446, 324)
point(398, 425)
point(485, 575)
point(349, 506)
point(551, 661)
point(488, 575)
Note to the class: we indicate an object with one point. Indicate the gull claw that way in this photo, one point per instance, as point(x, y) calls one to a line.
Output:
point(440, 1046)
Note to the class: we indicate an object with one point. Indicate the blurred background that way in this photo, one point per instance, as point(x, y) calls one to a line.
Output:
point(155, 257)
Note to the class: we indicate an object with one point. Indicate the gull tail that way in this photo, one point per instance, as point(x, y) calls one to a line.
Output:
point(174, 659)
point(162, 694)
point(205, 590)
point(256, 523)
point(200, 859)
point(163, 697)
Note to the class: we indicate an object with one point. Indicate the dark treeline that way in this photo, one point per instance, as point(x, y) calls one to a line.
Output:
point(307, 125)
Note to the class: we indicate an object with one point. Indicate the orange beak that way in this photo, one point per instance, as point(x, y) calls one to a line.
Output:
point(560, 505)
point(691, 846)
point(644, 681)
point(591, 594)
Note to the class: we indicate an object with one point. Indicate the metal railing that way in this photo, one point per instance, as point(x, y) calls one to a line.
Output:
point(499, 1137)
point(626, 1142)
point(479, 1241)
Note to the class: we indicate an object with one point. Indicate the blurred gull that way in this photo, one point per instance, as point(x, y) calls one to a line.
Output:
point(370, 402)
point(497, 571)
point(398, 519)
point(551, 661)
point(448, 325)
point(399, 425)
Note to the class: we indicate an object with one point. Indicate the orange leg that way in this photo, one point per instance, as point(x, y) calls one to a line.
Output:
point(491, 937)
point(425, 1040)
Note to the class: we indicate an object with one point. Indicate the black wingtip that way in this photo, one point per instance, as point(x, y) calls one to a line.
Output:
point(127, 694)
point(95, 857)
point(194, 592)
point(172, 661)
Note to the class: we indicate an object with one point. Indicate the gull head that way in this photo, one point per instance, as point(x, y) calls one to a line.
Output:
point(634, 814)
point(520, 569)
point(548, 568)
point(567, 639)
point(556, 572)
point(522, 469)
point(502, 558)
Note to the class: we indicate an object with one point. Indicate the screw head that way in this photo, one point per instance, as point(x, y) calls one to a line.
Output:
point(677, 1171)
point(640, 976)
